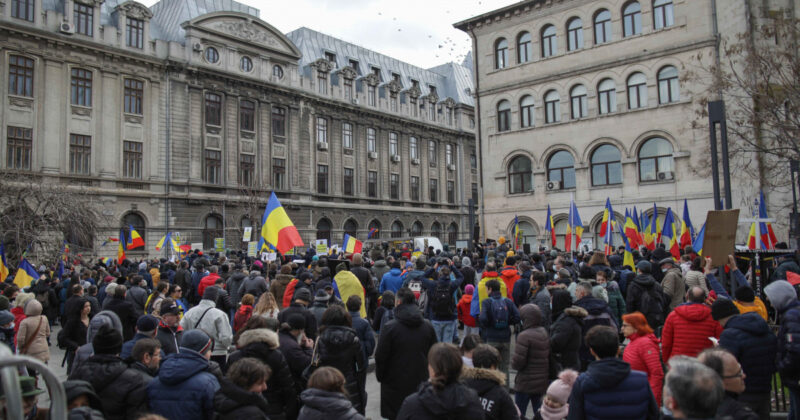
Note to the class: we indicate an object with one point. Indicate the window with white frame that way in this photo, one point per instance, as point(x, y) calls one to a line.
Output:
point(322, 130)
point(607, 96)
point(637, 91)
point(579, 102)
point(552, 107)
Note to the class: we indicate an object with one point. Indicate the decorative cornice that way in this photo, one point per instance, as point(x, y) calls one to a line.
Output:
point(322, 65)
point(394, 87)
point(413, 92)
point(246, 30)
point(348, 73)
point(372, 79)
point(135, 10)
point(449, 102)
point(432, 98)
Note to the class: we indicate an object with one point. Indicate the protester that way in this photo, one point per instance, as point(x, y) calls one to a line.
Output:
point(30, 397)
point(696, 276)
point(244, 312)
point(338, 346)
point(672, 283)
point(146, 327)
point(498, 315)
point(733, 378)
point(124, 310)
point(691, 390)
point(646, 295)
point(296, 348)
point(393, 279)
point(463, 306)
point(540, 296)
point(468, 345)
point(146, 358)
point(239, 395)
point(555, 404)
point(34, 333)
point(488, 383)
point(386, 308)
point(169, 329)
point(531, 359)
point(441, 292)
point(565, 332)
point(363, 330)
point(783, 298)
point(643, 352)
point(688, 327)
point(598, 313)
point(346, 284)
point(214, 322)
point(267, 307)
point(326, 397)
point(300, 306)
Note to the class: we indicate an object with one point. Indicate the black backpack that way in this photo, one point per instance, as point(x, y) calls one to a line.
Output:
point(442, 302)
point(652, 304)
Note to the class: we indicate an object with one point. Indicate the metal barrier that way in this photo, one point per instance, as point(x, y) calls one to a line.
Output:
point(9, 380)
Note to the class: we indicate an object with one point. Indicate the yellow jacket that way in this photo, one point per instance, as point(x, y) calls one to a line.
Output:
point(757, 306)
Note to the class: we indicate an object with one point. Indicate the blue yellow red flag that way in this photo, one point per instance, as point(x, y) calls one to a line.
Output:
point(548, 227)
point(277, 229)
point(687, 230)
point(3, 264)
point(577, 224)
point(121, 246)
point(607, 228)
point(372, 233)
point(164, 240)
point(631, 231)
point(25, 274)
point(351, 245)
point(627, 258)
point(697, 244)
point(669, 231)
point(767, 234)
point(135, 240)
point(604, 224)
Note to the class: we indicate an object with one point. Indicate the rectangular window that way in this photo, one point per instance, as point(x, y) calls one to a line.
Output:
point(414, 188)
point(448, 153)
point(473, 161)
point(19, 143)
point(474, 193)
point(213, 166)
point(371, 146)
point(377, 71)
point(393, 144)
point(80, 154)
point(432, 113)
point(412, 147)
point(432, 152)
point(347, 135)
point(247, 116)
point(322, 179)
point(663, 14)
point(247, 170)
point(132, 159)
point(322, 130)
point(371, 100)
point(20, 76)
point(394, 186)
point(322, 82)
point(413, 105)
point(434, 190)
point(372, 184)
point(279, 124)
point(134, 92)
point(393, 102)
point(354, 65)
point(134, 35)
point(348, 89)
point(278, 173)
point(22, 9)
point(83, 18)
point(81, 87)
point(213, 109)
point(331, 57)
point(451, 192)
point(348, 181)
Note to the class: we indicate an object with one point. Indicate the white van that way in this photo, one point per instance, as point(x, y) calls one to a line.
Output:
point(423, 242)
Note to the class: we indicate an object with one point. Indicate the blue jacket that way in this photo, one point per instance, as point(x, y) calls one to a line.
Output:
point(789, 351)
point(364, 333)
point(127, 347)
point(393, 280)
point(750, 339)
point(429, 285)
point(184, 388)
point(488, 331)
point(609, 389)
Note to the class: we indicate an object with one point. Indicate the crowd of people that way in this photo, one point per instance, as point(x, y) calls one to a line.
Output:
point(467, 334)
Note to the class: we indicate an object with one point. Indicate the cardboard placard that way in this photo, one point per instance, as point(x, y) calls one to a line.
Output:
point(322, 246)
point(720, 236)
point(197, 245)
point(252, 249)
point(219, 244)
point(248, 233)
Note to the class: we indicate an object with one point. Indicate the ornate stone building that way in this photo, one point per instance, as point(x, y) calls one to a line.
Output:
point(184, 116)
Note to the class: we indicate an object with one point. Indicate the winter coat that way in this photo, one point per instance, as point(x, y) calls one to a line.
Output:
point(786, 304)
point(311, 319)
point(532, 353)
point(184, 387)
point(455, 401)
point(242, 315)
point(488, 330)
point(169, 338)
point(429, 286)
point(233, 284)
point(615, 301)
point(541, 298)
point(325, 405)
point(138, 298)
point(39, 348)
point(392, 280)
point(483, 291)
point(598, 314)
point(120, 389)
point(598, 393)
point(674, 288)
point(494, 398)
point(751, 340)
point(278, 287)
point(509, 276)
point(644, 355)
point(365, 277)
point(401, 358)
point(232, 402)
point(463, 311)
point(215, 323)
point(645, 283)
point(364, 333)
point(566, 338)
point(346, 284)
point(340, 347)
point(785, 264)
point(297, 357)
point(695, 279)
point(469, 275)
point(379, 269)
point(74, 333)
point(687, 330)
point(262, 344)
point(126, 314)
point(318, 309)
point(731, 409)
point(756, 306)
point(104, 318)
point(206, 281)
point(256, 285)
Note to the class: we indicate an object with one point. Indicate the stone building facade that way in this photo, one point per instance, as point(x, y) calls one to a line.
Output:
point(184, 116)
point(589, 100)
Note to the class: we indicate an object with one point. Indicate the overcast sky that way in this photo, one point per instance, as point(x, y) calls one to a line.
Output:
point(419, 32)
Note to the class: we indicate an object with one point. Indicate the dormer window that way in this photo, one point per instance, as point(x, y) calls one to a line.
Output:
point(415, 83)
point(377, 72)
point(396, 77)
point(354, 65)
point(83, 18)
point(432, 88)
point(134, 33)
point(331, 57)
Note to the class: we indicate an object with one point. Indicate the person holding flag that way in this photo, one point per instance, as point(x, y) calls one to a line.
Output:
point(26, 274)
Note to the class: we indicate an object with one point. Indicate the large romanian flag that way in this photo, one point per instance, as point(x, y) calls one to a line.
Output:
point(351, 245)
point(121, 246)
point(627, 258)
point(277, 229)
point(631, 231)
point(25, 274)
point(687, 230)
point(577, 225)
point(135, 240)
point(604, 223)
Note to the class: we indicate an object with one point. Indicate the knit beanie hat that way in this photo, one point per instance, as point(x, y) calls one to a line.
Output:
point(745, 294)
point(6, 317)
point(107, 341)
point(560, 389)
point(303, 294)
point(296, 322)
point(146, 324)
point(196, 340)
point(469, 289)
point(722, 308)
point(4, 303)
point(322, 296)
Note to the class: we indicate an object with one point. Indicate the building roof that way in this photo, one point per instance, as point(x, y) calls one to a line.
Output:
point(465, 24)
point(168, 15)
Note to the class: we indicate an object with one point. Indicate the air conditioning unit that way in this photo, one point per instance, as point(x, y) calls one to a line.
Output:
point(354, 101)
point(553, 185)
point(665, 176)
point(66, 28)
point(396, 158)
point(451, 167)
point(322, 145)
point(415, 161)
point(197, 47)
point(373, 155)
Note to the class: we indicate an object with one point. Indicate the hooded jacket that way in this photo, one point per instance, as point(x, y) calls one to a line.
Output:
point(687, 329)
point(379, 269)
point(278, 287)
point(494, 399)
point(255, 284)
point(184, 387)
point(206, 281)
point(784, 299)
point(674, 288)
point(455, 401)
point(137, 296)
point(297, 357)
point(120, 389)
point(340, 347)
point(750, 339)
point(532, 353)
point(215, 323)
point(643, 354)
point(102, 318)
point(325, 405)
point(125, 313)
point(311, 319)
point(38, 348)
point(233, 285)
point(392, 280)
point(233, 403)
point(169, 338)
point(566, 338)
point(598, 393)
point(401, 358)
point(696, 279)
point(509, 275)
point(598, 314)
point(262, 344)
point(463, 311)
point(242, 315)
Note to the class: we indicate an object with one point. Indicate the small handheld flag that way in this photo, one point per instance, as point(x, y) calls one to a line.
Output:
point(164, 240)
point(372, 233)
point(548, 227)
point(3, 264)
point(604, 224)
point(121, 247)
point(697, 245)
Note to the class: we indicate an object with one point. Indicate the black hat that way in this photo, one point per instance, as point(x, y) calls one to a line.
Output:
point(723, 308)
point(322, 296)
point(305, 275)
point(303, 294)
point(169, 306)
point(644, 266)
point(745, 294)
point(296, 322)
point(146, 323)
point(107, 341)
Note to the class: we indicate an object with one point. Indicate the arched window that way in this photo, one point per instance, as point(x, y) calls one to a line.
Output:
point(602, 26)
point(416, 229)
point(607, 96)
point(668, 85)
point(526, 111)
point(212, 56)
point(397, 229)
point(376, 233)
point(324, 230)
point(351, 227)
point(524, 47)
point(528, 233)
point(436, 230)
point(632, 19)
point(212, 229)
point(663, 16)
point(137, 221)
point(504, 116)
point(606, 165)
point(637, 91)
point(561, 168)
point(277, 72)
point(501, 53)
point(552, 108)
point(452, 234)
point(574, 34)
point(549, 41)
point(520, 176)
point(655, 160)
point(579, 100)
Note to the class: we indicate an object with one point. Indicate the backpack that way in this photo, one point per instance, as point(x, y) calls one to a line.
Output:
point(61, 339)
point(499, 311)
point(652, 304)
point(442, 302)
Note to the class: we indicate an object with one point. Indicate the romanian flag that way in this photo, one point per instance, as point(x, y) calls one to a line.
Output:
point(66, 249)
point(768, 237)
point(657, 228)
point(25, 274)
point(121, 247)
point(607, 227)
point(568, 236)
point(577, 225)
point(651, 235)
point(631, 231)
point(277, 229)
point(697, 244)
point(164, 240)
point(628, 256)
point(106, 261)
point(638, 223)
point(604, 224)
point(516, 232)
point(670, 233)
point(751, 237)
point(135, 240)
point(3, 264)
point(687, 230)
point(351, 245)
point(372, 233)
point(548, 227)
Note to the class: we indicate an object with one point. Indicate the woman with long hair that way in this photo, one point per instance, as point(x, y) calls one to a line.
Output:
point(643, 352)
point(326, 397)
point(266, 307)
point(75, 330)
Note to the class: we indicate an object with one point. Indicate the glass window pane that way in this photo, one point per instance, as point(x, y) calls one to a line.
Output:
point(569, 178)
point(615, 173)
point(599, 175)
point(647, 169)
point(561, 159)
point(605, 153)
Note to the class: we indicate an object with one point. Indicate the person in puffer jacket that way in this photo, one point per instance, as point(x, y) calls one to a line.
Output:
point(392, 280)
point(239, 396)
point(509, 275)
point(531, 359)
point(540, 296)
point(688, 327)
point(326, 398)
point(470, 323)
point(643, 352)
point(488, 382)
point(339, 347)
point(565, 332)
point(783, 298)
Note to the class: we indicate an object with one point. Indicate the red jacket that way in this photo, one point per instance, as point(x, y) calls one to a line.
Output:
point(509, 275)
point(687, 329)
point(241, 316)
point(206, 281)
point(463, 311)
point(643, 355)
point(288, 293)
